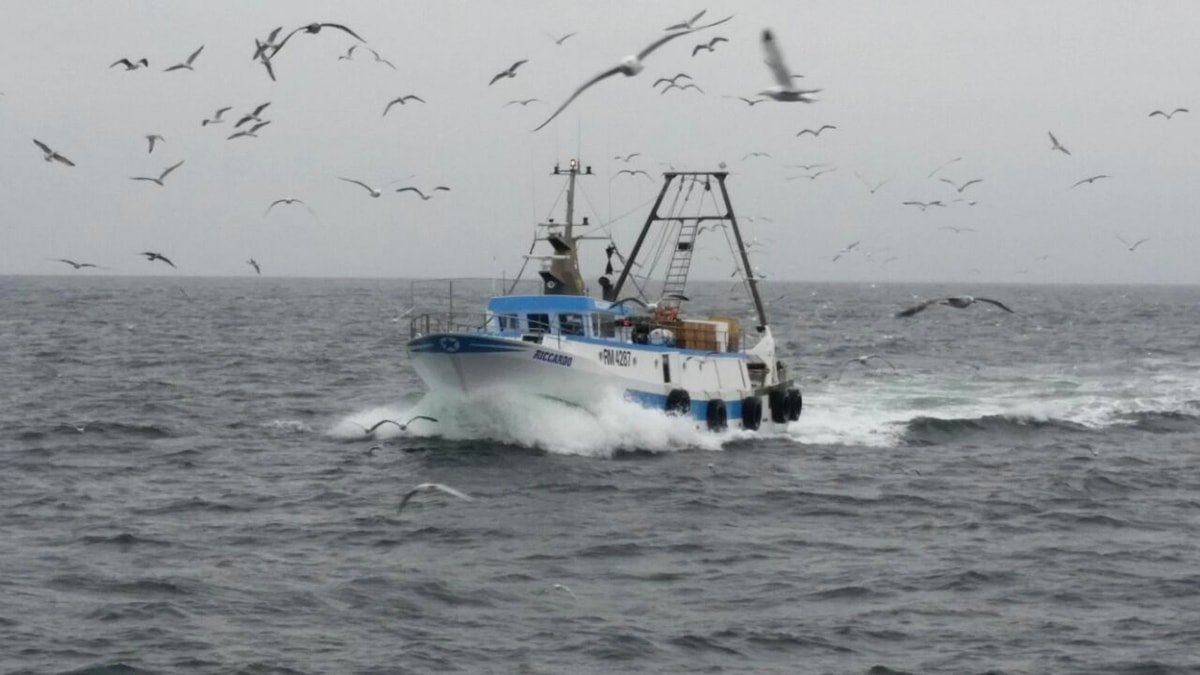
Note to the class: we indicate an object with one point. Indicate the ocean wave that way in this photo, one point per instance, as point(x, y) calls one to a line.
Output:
point(937, 431)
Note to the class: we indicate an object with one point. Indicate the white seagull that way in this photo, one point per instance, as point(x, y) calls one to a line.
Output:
point(1089, 180)
point(373, 191)
point(863, 360)
point(251, 132)
point(511, 71)
point(1055, 145)
point(846, 250)
point(817, 131)
point(427, 487)
point(629, 66)
point(51, 155)
point(424, 197)
point(254, 263)
point(784, 90)
point(403, 427)
point(962, 187)
point(957, 301)
point(186, 64)
point(131, 65)
point(216, 118)
point(1134, 245)
point(684, 25)
point(152, 138)
point(401, 100)
point(286, 200)
point(1168, 115)
point(161, 176)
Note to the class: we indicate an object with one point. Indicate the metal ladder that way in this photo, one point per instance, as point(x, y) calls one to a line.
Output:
point(681, 263)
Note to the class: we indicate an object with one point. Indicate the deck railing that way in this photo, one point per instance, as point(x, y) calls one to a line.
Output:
point(424, 324)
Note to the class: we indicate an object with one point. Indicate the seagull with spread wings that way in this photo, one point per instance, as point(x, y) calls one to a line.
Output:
point(252, 132)
point(76, 265)
point(1055, 145)
point(131, 65)
point(817, 131)
point(1168, 115)
point(151, 256)
point(785, 90)
point(869, 187)
point(286, 201)
point(629, 66)
point(510, 71)
point(750, 102)
point(711, 45)
point(429, 487)
point(863, 360)
point(161, 176)
point(1089, 181)
point(424, 197)
point(633, 172)
point(216, 119)
point(368, 188)
point(313, 29)
point(254, 263)
point(401, 100)
point(186, 65)
point(523, 102)
point(684, 25)
point(51, 155)
point(957, 301)
point(1132, 247)
point(152, 138)
point(559, 41)
point(670, 80)
point(963, 186)
point(683, 87)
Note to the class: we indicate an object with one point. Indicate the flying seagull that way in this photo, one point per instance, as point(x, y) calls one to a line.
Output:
point(402, 426)
point(751, 102)
point(846, 250)
point(286, 200)
point(511, 71)
point(817, 131)
point(1055, 145)
point(380, 59)
point(688, 85)
point(401, 100)
point(864, 359)
point(957, 301)
point(186, 64)
point(784, 90)
point(629, 66)
point(958, 230)
point(708, 46)
point(628, 157)
point(254, 263)
point(670, 80)
point(1134, 245)
point(261, 47)
point(755, 154)
point(131, 65)
point(923, 205)
point(1089, 180)
point(559, 41)
point(51, 155)
point(349, 55)
point(811, 176)
point(426, 487)
point(1169, 115)
point(152, 138)
point(151, 256)
point(567, 589)
point(942, 166)
point(633, 172)
point(251, 132)
point(964, 186)
point(313, 29)
point(806, 167)
point(424, 197)
point(684, 25)
point(216, 118)
point(161, 176)
point(373, 191)
point(253, 115)
point(869, 188)
point(72, 263)
point(523, 102)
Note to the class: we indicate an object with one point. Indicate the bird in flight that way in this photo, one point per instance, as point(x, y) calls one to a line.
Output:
point(923, 205)
point(633, 172)
point(1168, 115)
point(131, 65)
point(216, 118)
point(253, 115)
point(313, 29)
point(957, 301)
point(683, 87)
point(161, 176)
point(806, 167)
point(942, 166)
point(962, 187)
point(151, 256)
point(629, 66)
point(523, 102)
point(559, 41)
point(815, 132)
point(286, 200)
point(424, 197)
point(846, 250)
point(869, 188)
point(427, 487)
point(380, 59)
point(186, 65)
point(812, 176)
point(349, 55)
point(373, 191)
point(254, 263)
point(1088, 181)
point(628, 157)
point(1134, 245)
point(958, 230)
point(784, 91)
point(684, 25)
point(670, 80)
point(72, 263)
point(51, 155)
point(152, 138)
point(251, 132)
point(864, 360)
point(511, 71)
point(751, 102)
point(261, 48)
point(401, 100)
point(1055, 145)
point(711, 45)
point(402, 426)
point(755, 154)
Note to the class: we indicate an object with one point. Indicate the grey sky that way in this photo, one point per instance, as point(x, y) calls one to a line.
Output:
point(910, 85)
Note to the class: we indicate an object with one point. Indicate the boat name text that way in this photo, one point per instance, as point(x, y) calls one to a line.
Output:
point(551, 357)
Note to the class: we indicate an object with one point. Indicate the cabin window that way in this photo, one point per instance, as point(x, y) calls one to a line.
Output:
point(570, 324)
point(604, 325)
point(538, 323)
point(509, 322)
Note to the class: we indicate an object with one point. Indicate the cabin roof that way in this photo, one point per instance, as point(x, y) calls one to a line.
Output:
point(547, 303)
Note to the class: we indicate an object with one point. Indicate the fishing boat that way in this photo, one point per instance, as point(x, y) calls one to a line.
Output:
point(568, 345)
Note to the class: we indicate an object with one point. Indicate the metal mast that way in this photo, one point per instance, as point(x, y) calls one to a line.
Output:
point(561, 275)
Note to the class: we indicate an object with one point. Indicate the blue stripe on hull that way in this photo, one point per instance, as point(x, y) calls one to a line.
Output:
point(733, 407)
point(462, 344)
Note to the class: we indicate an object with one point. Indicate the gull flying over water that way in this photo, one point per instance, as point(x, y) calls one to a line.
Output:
point(1168, 115)
point(629, 66)
point(427, 487)
point(711, 45)
point(253, 115)
point(817, 131)
point(846, 250)
point(402, 426)
point(51, 155)
point(784, 91)
point(151, 256)
point(373, 191)
point(957, 301)
point(1088, 180)
point(1055, 145)
point(962, 187)
point(254, 263)
point(72, 263)
point(161, 176)
point(1134, 245)
point(523, 102)
point(401, 100)
point(152, 138)
point(424, 197)
point(511, 71)
point(864, 359)
point(186, 65)
point(131, 65)
point(286, 200)
point(216, 118)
